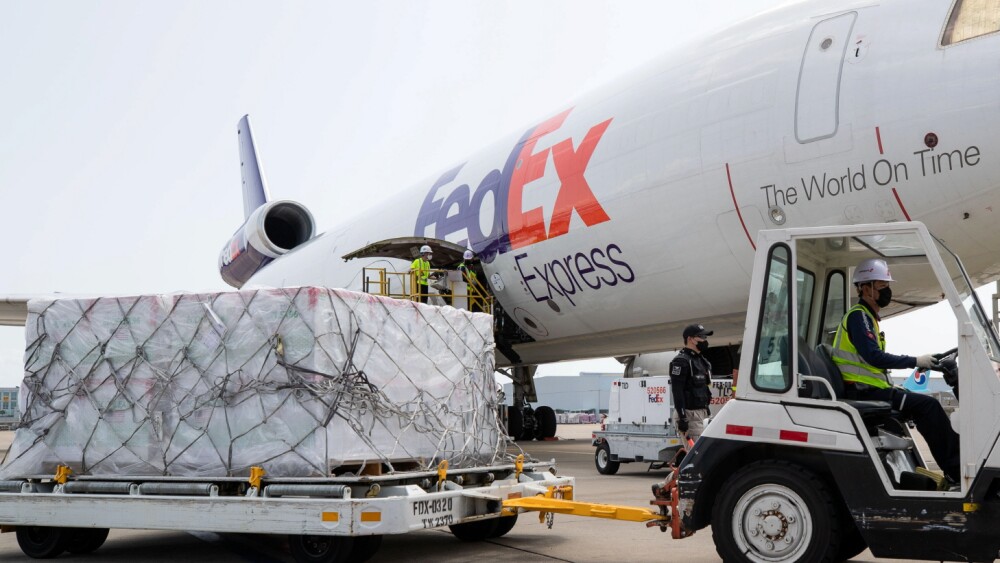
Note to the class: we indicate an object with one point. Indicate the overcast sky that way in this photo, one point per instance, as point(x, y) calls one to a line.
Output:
point(118, 156)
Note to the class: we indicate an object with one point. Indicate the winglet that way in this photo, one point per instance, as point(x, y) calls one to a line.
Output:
point(255, 191)
point(917, 382)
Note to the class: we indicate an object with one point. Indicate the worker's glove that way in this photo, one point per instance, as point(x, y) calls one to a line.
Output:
point(682, 424)
point(927, 361)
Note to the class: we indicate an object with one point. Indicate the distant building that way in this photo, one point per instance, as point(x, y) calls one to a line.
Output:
point(9, 414)
point(587, 392)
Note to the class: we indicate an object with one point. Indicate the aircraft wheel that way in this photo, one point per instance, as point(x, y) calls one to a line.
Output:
point(41, 542)
point(602, 459)
point(546, 427)
point(515, 423)
point(85, 540)
point(320, 549)
point(364, 548)
point(477, 530)
point(504, 525)
point(776, 511)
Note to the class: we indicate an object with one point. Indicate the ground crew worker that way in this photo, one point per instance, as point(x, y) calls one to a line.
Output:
point(690, 381)
point(421, 266)
point(474, 290)
point(859, 352)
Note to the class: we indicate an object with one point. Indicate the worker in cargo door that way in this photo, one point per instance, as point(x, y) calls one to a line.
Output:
point(859, 352)
point(475, 290)
point(421, 268)
point(690, 383)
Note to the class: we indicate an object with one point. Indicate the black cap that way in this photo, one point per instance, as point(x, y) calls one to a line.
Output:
point(696, 330)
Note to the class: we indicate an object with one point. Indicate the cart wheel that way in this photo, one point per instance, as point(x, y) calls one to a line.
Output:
point(365, 547)
point(602, 459)
point(504, 525)
point(85, 540)
point(41, 542)
point(546, 418)
point(320, 549)
point(515, 423)
point(478, 530)
point(776, 512)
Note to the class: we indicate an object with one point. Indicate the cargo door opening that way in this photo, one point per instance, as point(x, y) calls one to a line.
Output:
point(450, 280)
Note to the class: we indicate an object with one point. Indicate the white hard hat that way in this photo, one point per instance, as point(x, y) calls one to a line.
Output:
point(468, 255)
point(425, 249)
point(872, 269)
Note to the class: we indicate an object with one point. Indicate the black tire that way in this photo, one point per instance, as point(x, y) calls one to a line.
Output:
point(776, 511)
point(515, 423)
point(546, 427)
point(320, 549)
point(504, 525)
point(41, 542)
point(364, 548)
point(602, 459)
point(477, 530)
point(85, 540)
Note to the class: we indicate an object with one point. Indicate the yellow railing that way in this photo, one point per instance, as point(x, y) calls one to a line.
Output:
point(403, 285)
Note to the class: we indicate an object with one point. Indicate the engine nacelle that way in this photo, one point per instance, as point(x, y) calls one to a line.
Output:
point(270, 231)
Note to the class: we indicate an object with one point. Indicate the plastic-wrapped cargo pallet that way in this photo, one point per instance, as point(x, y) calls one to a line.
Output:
point(300, 381)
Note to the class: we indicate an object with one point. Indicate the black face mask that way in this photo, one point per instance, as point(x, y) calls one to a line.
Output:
point(702, 346)
point(884, 296)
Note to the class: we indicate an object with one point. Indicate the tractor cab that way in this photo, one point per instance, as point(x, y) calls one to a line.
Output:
point(795, 467)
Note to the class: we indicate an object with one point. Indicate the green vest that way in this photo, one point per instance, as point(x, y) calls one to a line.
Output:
point(853, 367)
point(423, 269)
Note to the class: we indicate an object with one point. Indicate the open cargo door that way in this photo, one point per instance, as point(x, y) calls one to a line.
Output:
point(408, 248)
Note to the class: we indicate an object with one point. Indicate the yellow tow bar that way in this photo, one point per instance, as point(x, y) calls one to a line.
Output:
point(552, 503)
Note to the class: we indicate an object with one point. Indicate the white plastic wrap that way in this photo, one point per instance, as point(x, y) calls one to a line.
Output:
point(300, 381)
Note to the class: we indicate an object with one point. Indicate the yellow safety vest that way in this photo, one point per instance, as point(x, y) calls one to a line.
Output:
point(423, 269)
point(853, 367)
point(469, 274)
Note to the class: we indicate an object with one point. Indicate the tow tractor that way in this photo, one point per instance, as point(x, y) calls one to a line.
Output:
point(791, 470)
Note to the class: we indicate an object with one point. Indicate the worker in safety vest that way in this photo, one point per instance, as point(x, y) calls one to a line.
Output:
point(475, 290)
point(690, 381)
point(421, 266)
point(859, 352)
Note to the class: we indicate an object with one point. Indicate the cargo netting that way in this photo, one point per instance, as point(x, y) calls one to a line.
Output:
point(304, 382)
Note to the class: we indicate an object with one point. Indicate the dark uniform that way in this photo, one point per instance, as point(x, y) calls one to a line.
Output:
point(690, 383)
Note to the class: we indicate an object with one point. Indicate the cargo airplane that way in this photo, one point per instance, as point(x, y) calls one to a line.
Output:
point(606, 227)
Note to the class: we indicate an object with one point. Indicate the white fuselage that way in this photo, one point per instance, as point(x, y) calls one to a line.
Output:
point(634, 211)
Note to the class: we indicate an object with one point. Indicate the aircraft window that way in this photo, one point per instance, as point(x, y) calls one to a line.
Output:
point(833, 305)
point(970, 19)
point(806, 283)
point(772, 368)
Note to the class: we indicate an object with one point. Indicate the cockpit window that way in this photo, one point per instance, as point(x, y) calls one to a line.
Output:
point(970, 19)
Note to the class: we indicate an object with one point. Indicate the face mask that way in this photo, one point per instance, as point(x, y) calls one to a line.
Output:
point(884, 296)
point(702, 346)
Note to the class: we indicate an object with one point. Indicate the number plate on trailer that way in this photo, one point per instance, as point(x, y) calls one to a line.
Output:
point(434, 513)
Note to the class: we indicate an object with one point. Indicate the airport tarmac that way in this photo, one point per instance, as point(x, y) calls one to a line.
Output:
point(571, 538)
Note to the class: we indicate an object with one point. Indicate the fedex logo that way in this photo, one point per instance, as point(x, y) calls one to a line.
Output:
point(450, 208)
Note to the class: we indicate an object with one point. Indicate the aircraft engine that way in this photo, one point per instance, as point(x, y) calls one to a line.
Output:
point(272, 230)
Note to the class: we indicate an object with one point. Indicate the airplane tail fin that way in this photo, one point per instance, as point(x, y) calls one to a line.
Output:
point(255, 191)
point(916, 382)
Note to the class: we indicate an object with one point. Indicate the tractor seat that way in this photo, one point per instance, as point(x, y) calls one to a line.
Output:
point(819, 363)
